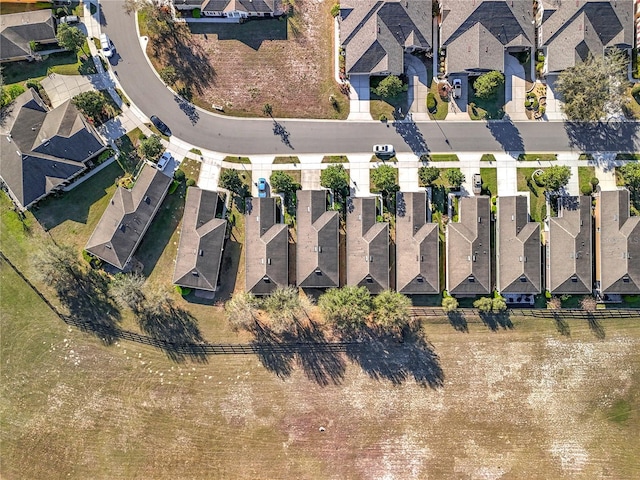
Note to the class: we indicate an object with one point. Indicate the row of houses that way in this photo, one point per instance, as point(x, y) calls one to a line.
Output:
point(473, 36)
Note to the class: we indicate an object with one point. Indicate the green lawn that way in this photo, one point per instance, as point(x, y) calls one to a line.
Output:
point(628, 156)
point(191, 168)
point(536, 194)
point(442, 104)
point(444, 157)
point(285, 160)
point(488, 157)
point(485, 108)
point(489, 181)
point(335, 159)
point(533, 157)
point(585, 174)
point(236, 159)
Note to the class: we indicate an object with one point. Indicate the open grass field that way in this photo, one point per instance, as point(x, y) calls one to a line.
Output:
point(521, 403)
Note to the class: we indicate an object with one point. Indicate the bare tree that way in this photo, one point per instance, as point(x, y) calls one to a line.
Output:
point(242, 310)
point(127, 289)
point(588, 303)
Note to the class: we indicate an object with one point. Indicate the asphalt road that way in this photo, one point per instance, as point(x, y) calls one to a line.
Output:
point(263, 136)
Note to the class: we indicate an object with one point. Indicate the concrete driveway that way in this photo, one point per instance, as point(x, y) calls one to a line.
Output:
point(515, 88)
point(359, 98)
point(418, 87)
point(554, 104)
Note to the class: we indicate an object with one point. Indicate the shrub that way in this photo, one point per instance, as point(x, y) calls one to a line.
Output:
point(174, 186)
point(195, 13)
point(183, 290)
point(431, 102)
point(191, 182)
point(33, 84)
point(488, 84)
point(382, 117)
point(14, 91)
point(635, 92)
point(335, 10)
point(540, 57)
point(179, 175)
point(389, 87)
point(547, 294)
point(527, 103)
point(586, 190)
point(535, 105)
point(594, 182)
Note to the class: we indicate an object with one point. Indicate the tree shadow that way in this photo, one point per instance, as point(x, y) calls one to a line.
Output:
point(495, 321)
point(90, 306)
point(506, 134)
point(457, 321)
point(562, 325)
point(188, 108)
point(412, 136)
point(252, 33)
point(279, 130)
point(272, 354)
point(176, 328)
point(384, 357)
point(611, 136)
point(595, 326)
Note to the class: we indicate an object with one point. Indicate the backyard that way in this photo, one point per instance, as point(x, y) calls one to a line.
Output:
point(286, 62)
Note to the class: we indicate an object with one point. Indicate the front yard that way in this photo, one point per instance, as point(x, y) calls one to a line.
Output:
point(537, 200)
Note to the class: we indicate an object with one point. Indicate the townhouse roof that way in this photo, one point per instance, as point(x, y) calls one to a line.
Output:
point(127, 217)
point(518, 252)
point(477, 33)
point(571, 31)
point(18, 29)
point(619, 244)
point(569, 247)
point(417, 247)
point(249, 6)
point(469, 248)
point(266, 247)
point(376, 33)
point(317, 250)
point(367, 245)
point(201, 241)
point(43, 148)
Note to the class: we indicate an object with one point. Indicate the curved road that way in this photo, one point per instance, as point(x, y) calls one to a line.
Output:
point(242, 136)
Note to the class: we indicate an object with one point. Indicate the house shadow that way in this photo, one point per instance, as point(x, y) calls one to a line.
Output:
point(384, 357)
point(229, 269)
point(506, 134)
point(252, 33)
point(74, 205)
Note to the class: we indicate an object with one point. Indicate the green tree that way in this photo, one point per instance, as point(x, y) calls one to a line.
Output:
point(347, 307)
point(92, 104)
point(487, 85)
point(555, 177)
point(391, 310)
point(335, 10)
point(483, 304)
point(335, 177)
point(284, 307)
point(71, 38)
point(230, 180)
point(385, 179)
point(498, 304)
point(449, 304)
point(151, 148)
point(593, 89)
point(631, 174)
point(389, 87)
point(267, 109)
point(168, 75)
point(428, 175)
point(455, 177)
point(242, 310)
point(155, 18)
point(282, 182)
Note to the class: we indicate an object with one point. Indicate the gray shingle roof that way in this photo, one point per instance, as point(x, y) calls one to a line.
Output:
point(201, 242)
point(469, 248)
point(367, 245)
point(266, 247)
point(417, 247)
point(127, 217)
point(375, 34)
point(569, 261)
point(249, 6)
point(43, 148)
point(18, 29)
point(317, 250)
point(617, 244)
point(572, 30)
point(476, 34)
point(518, 248)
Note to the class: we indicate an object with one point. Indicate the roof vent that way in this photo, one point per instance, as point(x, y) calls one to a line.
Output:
point(195, 273)
point(201, 252)
point(147, 200)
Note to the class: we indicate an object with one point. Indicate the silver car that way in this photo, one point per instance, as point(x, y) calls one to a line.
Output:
point(383, 149)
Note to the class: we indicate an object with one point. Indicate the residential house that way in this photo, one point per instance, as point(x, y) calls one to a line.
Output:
point(127, 218)
point(477, 34)
point(569, 261)
point(43, 150)
point(18, 30)
point(469, 248)
point(367, 245)
point(571, 30)
point(617, 245)
point(266, 247)
point(376, 34)
point(201, 244)
point(417, 246)
point(318, 241)
point(518, 248)
point(239, 9)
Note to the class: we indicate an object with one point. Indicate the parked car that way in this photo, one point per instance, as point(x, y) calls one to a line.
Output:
point(160, 125)
point(106, 45)
point(164, 159)
point(70, 19)
point(457, 88)
point(262, 188)
point(477, 183)
point(383, 149)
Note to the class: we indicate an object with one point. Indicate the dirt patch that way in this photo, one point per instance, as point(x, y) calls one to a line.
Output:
point(286, 62)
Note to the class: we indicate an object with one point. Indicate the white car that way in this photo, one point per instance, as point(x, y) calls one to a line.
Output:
point(70, 19)
point(383, 149)
point(457, 88)
point(164, 159)
point(106, 45)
